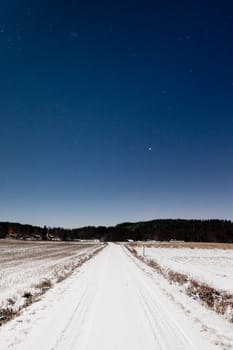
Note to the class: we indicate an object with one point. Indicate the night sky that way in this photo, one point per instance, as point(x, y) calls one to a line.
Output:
point(115, 111)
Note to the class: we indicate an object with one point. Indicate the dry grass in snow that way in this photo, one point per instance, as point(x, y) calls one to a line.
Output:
point(213, 267)
point(181, 244)
point(212, 294)
point(29, 269)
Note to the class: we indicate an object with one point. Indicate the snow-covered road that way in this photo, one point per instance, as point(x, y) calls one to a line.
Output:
point(110, 304)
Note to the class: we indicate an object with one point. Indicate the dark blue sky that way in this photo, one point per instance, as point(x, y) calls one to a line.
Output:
point(115, 110)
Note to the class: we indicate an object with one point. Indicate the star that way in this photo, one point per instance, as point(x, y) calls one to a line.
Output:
point(149, 149)
point(74, 35)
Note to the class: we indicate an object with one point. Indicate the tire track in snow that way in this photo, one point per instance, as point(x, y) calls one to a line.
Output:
point(167, 332)
point(80, 310)
point(110, 305)
point(76, 330)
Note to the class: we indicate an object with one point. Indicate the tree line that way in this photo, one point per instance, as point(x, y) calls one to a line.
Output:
point(213, 230)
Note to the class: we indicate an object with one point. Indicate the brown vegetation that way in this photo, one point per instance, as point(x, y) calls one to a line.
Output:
point(9, 312)
point(177, 244)
point(218, 301)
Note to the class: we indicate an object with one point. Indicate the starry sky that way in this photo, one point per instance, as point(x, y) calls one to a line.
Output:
point(115, 111)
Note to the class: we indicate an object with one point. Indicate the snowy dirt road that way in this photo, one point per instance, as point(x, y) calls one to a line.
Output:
point(111, 304)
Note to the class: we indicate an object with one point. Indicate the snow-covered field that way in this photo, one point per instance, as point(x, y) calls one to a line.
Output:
point(115, 301)
point(212, 266)
point(24, 266)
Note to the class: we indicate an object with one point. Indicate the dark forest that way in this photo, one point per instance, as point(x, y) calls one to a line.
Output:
point(160, 229)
